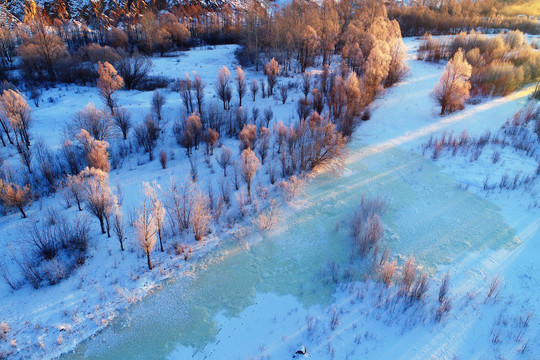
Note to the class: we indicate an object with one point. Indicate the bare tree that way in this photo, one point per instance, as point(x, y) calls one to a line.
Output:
point(453, 87)
point(108, 83)
point(146, 229)
point(271, 70)
point(163, 159)
point(179, 204)
point(122, 119)
point(201, 216)
point(97, 123)
point(210, 138)
point(248, 136)
point(147, 135)
point(264, 143)
point(241, 86)
point(134, 70)
point(221, 86)
point(268, 115)
point(158, 101)
point(188, 132)
point(97, 193)
point(14, 107)
point(75, 189)
point(97, 155)
point(249, 164)
point(118, 223)
point(283, 91)
point(157, 208)
point(254, 87)
point(185, 91)
point(15, 196)
point(43, 48)
point(199, 85)
point(224, 159)
point(306, 84)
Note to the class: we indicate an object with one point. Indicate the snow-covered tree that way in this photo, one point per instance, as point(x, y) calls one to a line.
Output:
point(224, 159)
point(249, 164)
point(97, 194)
point(145, 226)
point(97, 155)
point(271, 70)
point(15, 196)
point(157, 208)
point(97, 123)
point(108, 83)
point(222, 87)
point(15, 109)
point(453, 87)
point(158, 101)
point(241, 86)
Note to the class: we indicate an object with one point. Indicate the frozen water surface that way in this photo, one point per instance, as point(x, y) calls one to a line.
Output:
point(428, 216)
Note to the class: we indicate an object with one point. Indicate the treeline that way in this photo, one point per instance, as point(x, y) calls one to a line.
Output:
point(500, 64)
point(452, 17)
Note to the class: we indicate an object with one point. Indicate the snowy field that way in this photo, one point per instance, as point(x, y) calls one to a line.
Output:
point(261, 295)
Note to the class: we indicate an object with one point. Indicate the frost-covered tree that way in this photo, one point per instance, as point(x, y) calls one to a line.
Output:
point(309, 42)
point(42, 50)
point(97, 194)
point(147, 134)
point(157, 208)
point(199, 85)
point(97, 155)
point(398, 68)
point(15, 196)
point(271, 69)
point(248, 136)
point(201, 216)
point(118, 222)
point(145, 226)
point(97, 123)
point(15, 109)
point(264, 143)
point(158, 101)
point(210, 138)
point(453, 87)
point(224, 159)
point(108, 83)
point(179, 204)
point(249, 164)
point(376, 69)
point(241, 86)
point(222, 87)
point(254, 88)
point(122, 119)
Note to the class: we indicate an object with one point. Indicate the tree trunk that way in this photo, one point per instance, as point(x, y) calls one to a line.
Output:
point(22, 212)
point(102, 224)
point(108, 227)
point(149, 261)
point(160, 240)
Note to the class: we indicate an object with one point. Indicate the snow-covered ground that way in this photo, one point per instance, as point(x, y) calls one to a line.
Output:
point(265, 295)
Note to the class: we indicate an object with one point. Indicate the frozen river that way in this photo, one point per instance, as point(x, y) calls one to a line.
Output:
point(428, 216)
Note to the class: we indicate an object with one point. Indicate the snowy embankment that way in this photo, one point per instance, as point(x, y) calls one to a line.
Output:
point(46, 322)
